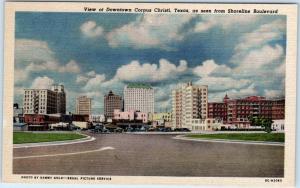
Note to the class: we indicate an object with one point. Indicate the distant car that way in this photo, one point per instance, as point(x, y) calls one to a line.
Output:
point(186, 130)
point(118, 130)
point(151, 129)
point(182, 130)
point(104, 130)
point(129, 129)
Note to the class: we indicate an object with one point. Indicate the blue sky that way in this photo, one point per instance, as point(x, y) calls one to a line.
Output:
point(93, 53)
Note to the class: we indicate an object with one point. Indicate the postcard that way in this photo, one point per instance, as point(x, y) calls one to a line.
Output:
point(150, 93)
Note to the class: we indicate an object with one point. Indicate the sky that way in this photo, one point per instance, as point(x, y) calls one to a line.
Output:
point(93, 53)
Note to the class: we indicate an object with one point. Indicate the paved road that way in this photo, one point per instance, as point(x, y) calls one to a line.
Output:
point(151, 155)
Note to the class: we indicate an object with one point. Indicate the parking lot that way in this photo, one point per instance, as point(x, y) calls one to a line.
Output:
point(151, 155)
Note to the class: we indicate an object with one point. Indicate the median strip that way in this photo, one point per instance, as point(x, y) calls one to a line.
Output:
point(231, 141)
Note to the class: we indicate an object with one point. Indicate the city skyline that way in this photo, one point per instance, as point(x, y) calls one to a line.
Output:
point(91, 54)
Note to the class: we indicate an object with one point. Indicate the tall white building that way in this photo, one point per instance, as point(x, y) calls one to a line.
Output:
point(139, 97)
point(45, 101)
point(189, 103)
point(83, 105)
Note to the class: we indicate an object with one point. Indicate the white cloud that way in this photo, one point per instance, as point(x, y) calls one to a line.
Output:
point(91, 30)
point(72, 67)
point(258, 60)
point(280, 70)
point(42, 83)
point(223, 83)
point(36, 56)
point(250, 90)
point(150, 72)
point(209, 67)
point(20, 75)
point(18, 91)
point(28, 51)
point(91, 73)
point(149, 31)
point(81, 79)
point(94, 83)
point(225, 22)
point(261, 36)
point(273, 93)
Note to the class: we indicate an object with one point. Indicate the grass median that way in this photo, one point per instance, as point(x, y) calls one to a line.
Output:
point(30, 137)
point(266, 137)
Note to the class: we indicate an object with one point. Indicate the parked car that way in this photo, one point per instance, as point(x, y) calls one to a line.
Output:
point(118, 130)
point(129, 129)
point(182, 130)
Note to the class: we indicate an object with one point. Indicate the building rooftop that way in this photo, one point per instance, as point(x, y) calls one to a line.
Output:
point(139, 85)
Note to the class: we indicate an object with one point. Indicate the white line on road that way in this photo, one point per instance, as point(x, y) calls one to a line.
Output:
point(63, 154)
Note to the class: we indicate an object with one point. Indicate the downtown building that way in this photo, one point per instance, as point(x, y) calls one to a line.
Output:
point(237, 111)
point(189, 103)
point(112, 102)
point(45, 101)
point(83, 105)
point(139, 97)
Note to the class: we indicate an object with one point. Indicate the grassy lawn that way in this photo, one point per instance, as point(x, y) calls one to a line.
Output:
point(28, 137)
point(270, 137)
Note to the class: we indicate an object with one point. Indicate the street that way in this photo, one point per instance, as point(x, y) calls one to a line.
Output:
point(151, 155)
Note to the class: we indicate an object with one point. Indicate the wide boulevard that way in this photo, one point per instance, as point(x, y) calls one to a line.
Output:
point(151, 155)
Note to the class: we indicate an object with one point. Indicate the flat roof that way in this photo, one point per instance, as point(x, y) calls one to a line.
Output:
point(139, 85)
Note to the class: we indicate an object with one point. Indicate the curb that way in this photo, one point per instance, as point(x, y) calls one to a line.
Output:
point(56, 143)
point(182, 137)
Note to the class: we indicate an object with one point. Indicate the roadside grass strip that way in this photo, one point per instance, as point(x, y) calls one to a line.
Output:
point(64, 154)
point(262, 137)
point(30, 137)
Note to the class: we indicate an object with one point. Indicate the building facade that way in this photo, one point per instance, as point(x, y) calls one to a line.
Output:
point(278, 109)
point(60, 98)
point(189, 102)
point(83, 105)
point(112, 102)
point(207, 124)
point(278, 125)
point(97, 118)
point(237, 111)
point(45, 101)
point(130, 115)
point(139, 97)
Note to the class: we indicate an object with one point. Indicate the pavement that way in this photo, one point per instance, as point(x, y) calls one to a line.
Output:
point(150, 155)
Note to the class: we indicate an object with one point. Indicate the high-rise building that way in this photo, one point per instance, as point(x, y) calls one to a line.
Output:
point(83, 105)
point(45, 101)
point(189, 102)
point(112, 102)
point(139, 97)
point(60, 98)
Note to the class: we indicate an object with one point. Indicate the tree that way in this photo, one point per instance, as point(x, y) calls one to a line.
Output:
point(265, 123)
